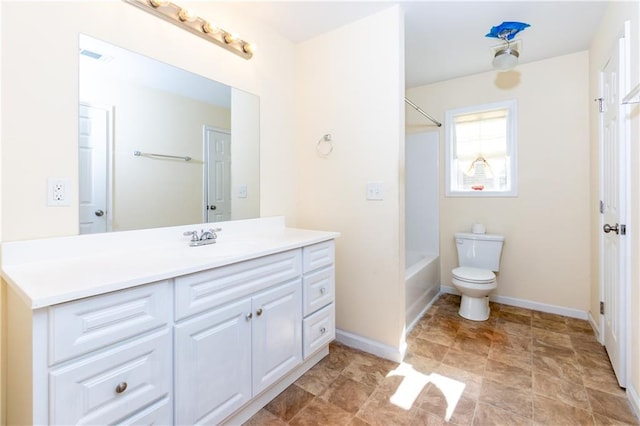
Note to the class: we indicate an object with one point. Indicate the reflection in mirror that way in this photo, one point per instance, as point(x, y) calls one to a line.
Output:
point(160, 146)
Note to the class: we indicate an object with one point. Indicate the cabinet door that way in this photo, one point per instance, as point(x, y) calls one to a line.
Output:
point(213, 364)
point(277, 333)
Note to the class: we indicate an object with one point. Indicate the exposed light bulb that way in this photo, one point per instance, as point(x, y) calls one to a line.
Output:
point(230, 38)
point(210, 27)
point(249, 48)
point(187, 15)
point(158, 3)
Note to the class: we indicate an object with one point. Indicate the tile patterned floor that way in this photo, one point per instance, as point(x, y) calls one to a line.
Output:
point(520, 367)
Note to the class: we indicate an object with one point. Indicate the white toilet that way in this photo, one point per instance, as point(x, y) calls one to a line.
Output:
point(478, 257)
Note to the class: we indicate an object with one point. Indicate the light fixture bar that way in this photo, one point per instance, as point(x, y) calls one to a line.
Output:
point(186, 20)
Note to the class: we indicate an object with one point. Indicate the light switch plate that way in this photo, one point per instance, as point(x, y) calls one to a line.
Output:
point(375, 191)
point(242, 191)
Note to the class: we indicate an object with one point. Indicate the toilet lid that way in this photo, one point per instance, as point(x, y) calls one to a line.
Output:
point(474, 275)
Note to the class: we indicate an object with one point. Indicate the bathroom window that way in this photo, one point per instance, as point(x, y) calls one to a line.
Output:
point(481, 151)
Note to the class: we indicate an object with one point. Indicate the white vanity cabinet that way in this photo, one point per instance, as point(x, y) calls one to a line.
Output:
point(250, 337)
point(163, 334)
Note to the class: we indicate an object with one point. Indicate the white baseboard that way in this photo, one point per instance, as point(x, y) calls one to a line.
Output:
point(371, 346)
point(596, 328)
point(634, 400)
point(430, 297)
point(528, 304)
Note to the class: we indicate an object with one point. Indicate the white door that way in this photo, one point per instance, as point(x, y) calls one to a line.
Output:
point(277, 333)
point(613, 172)
point(217, 175)
point(93, 143)
point(213, 364)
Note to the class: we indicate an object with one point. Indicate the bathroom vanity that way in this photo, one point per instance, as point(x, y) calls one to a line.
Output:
point(138, 327)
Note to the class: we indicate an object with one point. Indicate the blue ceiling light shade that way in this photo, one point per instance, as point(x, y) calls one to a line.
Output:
point(506, 57)
point(507, 30)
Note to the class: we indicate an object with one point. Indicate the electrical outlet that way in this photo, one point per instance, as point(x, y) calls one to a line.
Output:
point(58, 192)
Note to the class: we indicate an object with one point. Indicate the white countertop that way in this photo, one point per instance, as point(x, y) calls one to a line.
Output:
point(57, 270)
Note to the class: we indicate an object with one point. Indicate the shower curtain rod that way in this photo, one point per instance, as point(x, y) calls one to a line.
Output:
point(417, 108)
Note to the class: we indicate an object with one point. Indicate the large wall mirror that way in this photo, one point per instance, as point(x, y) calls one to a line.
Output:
point(160, 146)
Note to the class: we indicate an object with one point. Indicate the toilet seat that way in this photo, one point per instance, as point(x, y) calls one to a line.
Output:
point(474, 275)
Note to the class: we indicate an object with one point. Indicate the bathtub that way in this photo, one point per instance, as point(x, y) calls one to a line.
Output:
point(422, 280)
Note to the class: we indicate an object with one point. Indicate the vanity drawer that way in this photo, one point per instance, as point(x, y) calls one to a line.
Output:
point(318, 255)
point(201, 291)
point(96, 322)
point(318, 330)
point(112, 385)
point(318, 289)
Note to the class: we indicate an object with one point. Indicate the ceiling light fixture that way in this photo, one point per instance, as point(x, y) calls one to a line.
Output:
point(186, 19)
point(506, 56)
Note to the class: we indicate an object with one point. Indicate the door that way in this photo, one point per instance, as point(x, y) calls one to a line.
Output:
point(212, 364)
point(613, 175)
point(93, 142)
point(277, 333)
point(217, 175)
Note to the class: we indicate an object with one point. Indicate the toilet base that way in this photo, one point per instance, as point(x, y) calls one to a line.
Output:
point(474, 308)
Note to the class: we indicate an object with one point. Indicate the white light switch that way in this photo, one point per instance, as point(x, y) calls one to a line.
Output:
point(242, 191)
point(375, 191)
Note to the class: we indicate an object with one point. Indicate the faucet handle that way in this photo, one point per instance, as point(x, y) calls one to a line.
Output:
point(193, 234)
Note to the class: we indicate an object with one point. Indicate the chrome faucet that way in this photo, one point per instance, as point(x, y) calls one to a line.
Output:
point(206, 237)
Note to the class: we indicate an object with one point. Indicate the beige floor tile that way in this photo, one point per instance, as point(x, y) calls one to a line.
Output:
point(562, 390)
point(318, 378)
point(319, 412)
point(488, 415)
point(515, 400)
point(450, 406)
point(517, 358)
point(473, 363)
point(612, 406)
point(547, 411)
point(508, 375)
point(347, 394)
point(289, 402)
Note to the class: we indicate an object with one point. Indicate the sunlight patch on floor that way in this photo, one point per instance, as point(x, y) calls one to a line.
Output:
point(414, 382)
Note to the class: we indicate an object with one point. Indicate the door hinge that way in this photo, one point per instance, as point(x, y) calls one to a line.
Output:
point(601, 308)
point(601, 207)
point(600, 104)
point(623, 229)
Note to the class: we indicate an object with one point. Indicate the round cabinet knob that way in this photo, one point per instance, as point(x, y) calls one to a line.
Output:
point(323, 290)
point(121, 387)
point(249, 316)
point(323, 330)
point(212, 207)
point(99, 213)
point(259, 311)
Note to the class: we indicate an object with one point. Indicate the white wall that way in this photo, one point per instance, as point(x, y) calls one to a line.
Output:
point(338, 94)
point(40, 95)
point(546, 253)
point(611, 28)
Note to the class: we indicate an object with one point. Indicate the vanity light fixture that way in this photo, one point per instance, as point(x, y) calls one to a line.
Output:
point(188, 20)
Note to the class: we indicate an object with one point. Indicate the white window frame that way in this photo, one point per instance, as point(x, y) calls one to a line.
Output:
point(512, 149)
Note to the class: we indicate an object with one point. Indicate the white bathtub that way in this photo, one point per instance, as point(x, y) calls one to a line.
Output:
point(422, 279)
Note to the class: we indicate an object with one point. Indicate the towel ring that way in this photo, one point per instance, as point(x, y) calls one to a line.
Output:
point(324, 147)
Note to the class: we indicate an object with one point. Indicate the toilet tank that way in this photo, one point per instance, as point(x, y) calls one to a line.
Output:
point(479, 250)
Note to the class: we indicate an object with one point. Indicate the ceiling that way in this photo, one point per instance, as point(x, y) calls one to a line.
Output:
point(445, 39)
